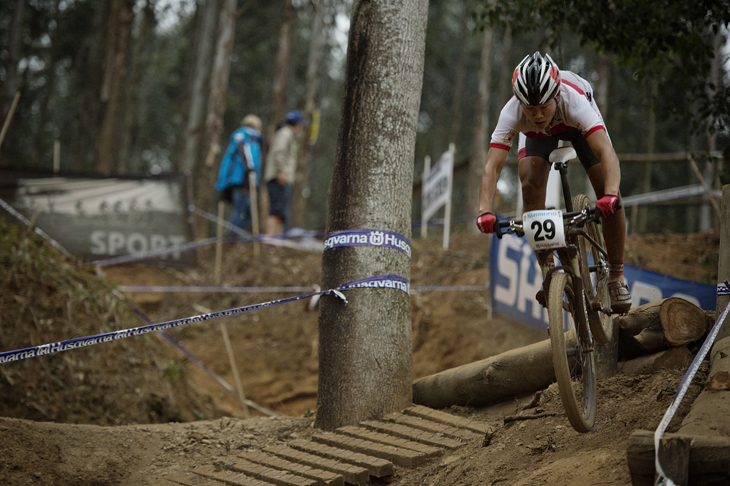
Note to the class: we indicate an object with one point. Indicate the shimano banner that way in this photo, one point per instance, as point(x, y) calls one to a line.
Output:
point(99, 217)
point(515, 278)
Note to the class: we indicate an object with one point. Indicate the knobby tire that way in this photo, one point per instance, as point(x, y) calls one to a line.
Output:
point(595, 283)
point(575, 374)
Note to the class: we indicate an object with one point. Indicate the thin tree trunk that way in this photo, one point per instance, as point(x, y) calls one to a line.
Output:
point(205, 173)
point(278, 94)
point(601, 92)
point(365, 364)
point(131, 88)
point(311, 85)
point(10, 85)
point(460, 74)
point(481, 127)
point(199, 92)
point(112, 86)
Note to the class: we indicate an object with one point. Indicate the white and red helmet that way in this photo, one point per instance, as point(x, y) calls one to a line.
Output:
point(536, 79)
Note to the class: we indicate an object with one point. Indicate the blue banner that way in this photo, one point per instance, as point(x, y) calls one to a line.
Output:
point(515, 278)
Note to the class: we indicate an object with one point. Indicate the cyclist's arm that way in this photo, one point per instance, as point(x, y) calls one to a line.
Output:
point(602, 148)
point(496, 158)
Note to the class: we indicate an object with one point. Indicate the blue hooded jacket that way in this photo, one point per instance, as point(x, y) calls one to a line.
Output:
point(245, 143)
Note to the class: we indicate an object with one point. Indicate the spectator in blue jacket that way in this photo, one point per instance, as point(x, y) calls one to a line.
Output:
point(242, 157)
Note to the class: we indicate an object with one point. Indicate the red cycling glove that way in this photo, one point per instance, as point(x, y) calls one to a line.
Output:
point(485, 223)
point(608, 205)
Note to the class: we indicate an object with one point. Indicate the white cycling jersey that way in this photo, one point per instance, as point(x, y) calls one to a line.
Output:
point(576, 109)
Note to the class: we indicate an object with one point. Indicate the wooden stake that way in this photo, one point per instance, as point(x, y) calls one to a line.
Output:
point(219, 245)
point(426, 170)
point(9, 117)
point(254, 211)
point(229, 348)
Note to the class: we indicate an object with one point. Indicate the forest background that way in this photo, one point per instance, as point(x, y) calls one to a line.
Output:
point(137, 87)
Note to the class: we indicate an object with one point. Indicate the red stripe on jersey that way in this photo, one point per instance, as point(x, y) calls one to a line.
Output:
point(535, 135)
point(574, 87)
point(499, 146)
point(597, 127)
point(521, 153)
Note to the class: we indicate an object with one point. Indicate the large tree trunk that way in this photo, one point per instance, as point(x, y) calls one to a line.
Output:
point(119, 24)
point(481, 128)
point(199, 91)
point(311, 84)
point(205, 180)
point(365, 365)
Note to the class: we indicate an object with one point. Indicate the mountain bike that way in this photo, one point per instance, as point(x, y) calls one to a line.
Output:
point(575, 292)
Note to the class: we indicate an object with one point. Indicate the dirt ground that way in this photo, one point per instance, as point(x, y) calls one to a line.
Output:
point(131, 413)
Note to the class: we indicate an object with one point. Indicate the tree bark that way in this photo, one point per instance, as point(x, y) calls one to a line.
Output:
point(511, 374)
point(481, 128)
point(205, 180)
point(311, 85)
point(119, 26)
point(365, 364)
point(199, 92)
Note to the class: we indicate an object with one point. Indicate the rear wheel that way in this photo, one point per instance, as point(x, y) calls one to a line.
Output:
point(574, 370)
point(596, 282)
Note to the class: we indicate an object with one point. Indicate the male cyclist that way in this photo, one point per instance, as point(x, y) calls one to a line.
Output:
point(551, 105)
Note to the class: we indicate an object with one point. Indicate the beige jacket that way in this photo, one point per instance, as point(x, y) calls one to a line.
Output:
point(282, 156)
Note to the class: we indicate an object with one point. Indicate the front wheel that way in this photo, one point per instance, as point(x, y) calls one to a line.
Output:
point(574, 369)
point(596, 281)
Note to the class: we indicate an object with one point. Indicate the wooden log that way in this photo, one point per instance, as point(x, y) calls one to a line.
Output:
point(664, 323)
point(511, 374)
point(708, 463)
point(709, 412)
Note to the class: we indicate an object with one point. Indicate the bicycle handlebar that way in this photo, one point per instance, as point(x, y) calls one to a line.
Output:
point(589, 214)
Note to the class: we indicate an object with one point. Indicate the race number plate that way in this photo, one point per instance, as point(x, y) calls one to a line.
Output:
point(544, 229)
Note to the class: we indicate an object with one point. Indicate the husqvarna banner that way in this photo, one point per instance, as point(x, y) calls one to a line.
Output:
point(96, 218)
point(515, 278)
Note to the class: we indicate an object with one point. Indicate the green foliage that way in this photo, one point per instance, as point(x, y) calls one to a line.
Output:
point(670, 41)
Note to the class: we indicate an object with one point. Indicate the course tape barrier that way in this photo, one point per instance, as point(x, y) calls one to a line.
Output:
point(723, 288)
point(275, 290)
point(368, 237)
point(7, 207)
point(200, 364)
point(378, 281)
point(661, 479)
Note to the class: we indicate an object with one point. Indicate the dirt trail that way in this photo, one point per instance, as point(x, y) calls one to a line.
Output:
point(127, 389)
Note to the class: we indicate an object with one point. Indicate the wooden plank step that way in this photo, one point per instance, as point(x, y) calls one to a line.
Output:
point(183, 479)
point(411, 434)
point(350, 472)
point(265, 473)
point(448, 419)
point(227, 476)
point(431, 426)
point(375, 466)
point(323, 478)
point(385, 438)
point(397, 455)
